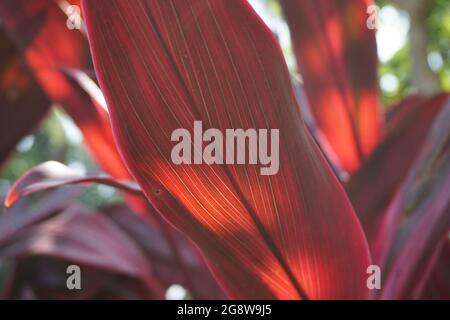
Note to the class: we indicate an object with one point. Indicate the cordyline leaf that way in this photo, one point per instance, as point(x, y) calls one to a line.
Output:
point(421, 209)
point(164, 64)
point(83, 237)
point(50, 48)
point(52, 174)
point(336, 57)
point(171, 238)
point(22, 102)
point(372, 188)
point(116, 168)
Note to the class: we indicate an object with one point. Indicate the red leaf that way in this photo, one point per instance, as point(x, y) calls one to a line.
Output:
point(336, 57)
point(22, 102)
point(419, 215)
point(164, 64)
point(372, 188)
point(52, 174)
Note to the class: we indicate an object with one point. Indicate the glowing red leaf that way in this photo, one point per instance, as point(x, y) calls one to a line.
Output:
point(336, 56)
point(164, 64)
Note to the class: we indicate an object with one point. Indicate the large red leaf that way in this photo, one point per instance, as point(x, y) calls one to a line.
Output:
point(336, 57)
point(22, 102)
point(372, 188)
point(164, 64)
point(419, 215)
point(316, 133)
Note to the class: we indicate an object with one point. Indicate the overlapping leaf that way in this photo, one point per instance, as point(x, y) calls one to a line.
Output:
point(22, 216)
point(336, 56)
point(372, 188)
point(164, 64)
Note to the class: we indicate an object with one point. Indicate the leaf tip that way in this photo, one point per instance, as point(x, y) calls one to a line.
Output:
point(10, 200)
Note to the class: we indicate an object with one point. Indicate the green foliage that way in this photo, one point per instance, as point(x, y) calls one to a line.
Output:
point(400, 65)
point(438, 24)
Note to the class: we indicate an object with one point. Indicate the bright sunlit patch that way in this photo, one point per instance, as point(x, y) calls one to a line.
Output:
point(389, 83)
point(435, 61)
point(106, 191)
point(392, 34)
point(25, 144)
point(176, 292)
point(72, 132)
point(278, 27)
point(78, 167)
point(90, 87)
